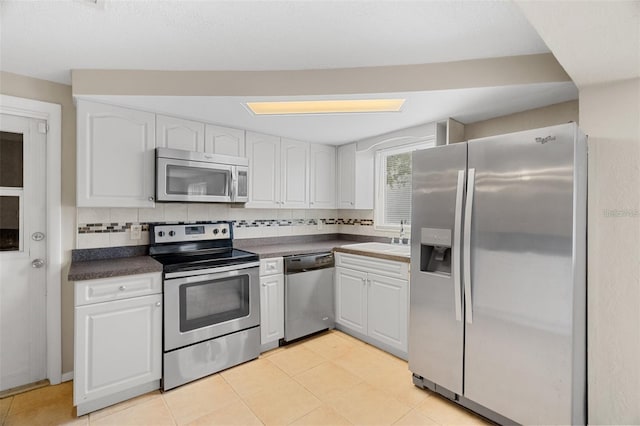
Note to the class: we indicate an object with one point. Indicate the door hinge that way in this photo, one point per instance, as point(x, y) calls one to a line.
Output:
point(43, 127)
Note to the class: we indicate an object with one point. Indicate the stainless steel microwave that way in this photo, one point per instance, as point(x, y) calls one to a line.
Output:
point(200, 177)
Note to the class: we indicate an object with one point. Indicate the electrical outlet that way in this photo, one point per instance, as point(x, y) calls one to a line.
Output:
point(136, 232)
point(320, 225)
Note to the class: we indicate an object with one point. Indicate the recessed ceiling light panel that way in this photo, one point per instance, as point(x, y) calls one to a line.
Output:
point(339, 106)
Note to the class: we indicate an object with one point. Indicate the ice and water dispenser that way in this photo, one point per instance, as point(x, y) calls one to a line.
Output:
point(435, 251)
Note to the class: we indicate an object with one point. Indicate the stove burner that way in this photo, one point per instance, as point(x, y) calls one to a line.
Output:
point(204, 259)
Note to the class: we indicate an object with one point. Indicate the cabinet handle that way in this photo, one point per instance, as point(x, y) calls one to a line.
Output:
point(364, 281)
point(122, 288)
point(158, 304)
point(150, 198)
point(351, 202)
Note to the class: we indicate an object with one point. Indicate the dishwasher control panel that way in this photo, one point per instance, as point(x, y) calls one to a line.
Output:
point(307, 262)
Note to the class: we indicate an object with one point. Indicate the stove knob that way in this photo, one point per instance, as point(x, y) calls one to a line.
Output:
point(160, 233)
point(224, 230)
point(215, 231)
point(172, 233)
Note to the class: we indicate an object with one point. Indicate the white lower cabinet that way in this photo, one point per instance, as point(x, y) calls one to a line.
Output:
point(351, 299)
point(271, 302)
point(372, 306)
point(118, 343)
point(387, 307)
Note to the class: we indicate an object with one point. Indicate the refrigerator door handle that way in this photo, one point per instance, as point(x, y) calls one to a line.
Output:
point(457, 247)
point(468, 212)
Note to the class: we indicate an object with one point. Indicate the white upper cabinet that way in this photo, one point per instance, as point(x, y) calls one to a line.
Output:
point(263, 152)
point(322, 177)
point(279, 172)
point(355, 178)
point(295, 174)
point(224, 140)
point(115, 156)
point(346, 176)
point(178, 133)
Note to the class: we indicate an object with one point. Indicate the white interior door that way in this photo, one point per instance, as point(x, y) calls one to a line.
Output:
point(22, 251)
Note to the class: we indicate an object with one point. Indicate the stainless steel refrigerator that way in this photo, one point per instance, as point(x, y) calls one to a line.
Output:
point(498, 275)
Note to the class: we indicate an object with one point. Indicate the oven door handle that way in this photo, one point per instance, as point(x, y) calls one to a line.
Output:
point(183, 277)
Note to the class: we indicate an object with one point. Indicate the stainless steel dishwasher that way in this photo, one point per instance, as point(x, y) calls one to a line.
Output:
point(308, 295)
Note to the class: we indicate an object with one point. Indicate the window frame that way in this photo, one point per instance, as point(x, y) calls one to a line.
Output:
point(380, 182)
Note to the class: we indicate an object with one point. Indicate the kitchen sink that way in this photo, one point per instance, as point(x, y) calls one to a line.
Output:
point(386, 248)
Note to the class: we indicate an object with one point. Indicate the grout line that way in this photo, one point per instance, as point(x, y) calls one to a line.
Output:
point(4, 419)
point(175, 422)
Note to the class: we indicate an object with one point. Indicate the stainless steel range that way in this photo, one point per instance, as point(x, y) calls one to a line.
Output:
point(211, 300)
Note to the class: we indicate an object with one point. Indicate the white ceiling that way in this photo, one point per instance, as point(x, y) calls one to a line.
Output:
point(595, 41)
point(46, 39)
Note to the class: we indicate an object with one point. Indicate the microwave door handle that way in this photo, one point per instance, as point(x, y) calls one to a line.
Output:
point(234, 183)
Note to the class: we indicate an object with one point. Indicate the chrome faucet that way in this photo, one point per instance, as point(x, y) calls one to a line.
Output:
point(400, 239)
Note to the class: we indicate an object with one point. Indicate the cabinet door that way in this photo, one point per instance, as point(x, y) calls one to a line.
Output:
point(351, 299)
point(118, 345)
point(115, 156)
point(223, 140)
point(346, 176)
point(295, 174)
point(263, 152)
point(271, 308)
point(322, 177)
point(178, 133)
point(388, 310)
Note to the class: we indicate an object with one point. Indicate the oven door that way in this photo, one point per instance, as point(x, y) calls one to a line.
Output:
point(203, 307)
point(183, 180)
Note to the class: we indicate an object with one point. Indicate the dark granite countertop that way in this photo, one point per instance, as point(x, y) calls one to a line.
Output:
point(88, 264)
point(116, 267)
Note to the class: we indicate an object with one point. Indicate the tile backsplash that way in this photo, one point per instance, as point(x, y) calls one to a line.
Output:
point(111, 227)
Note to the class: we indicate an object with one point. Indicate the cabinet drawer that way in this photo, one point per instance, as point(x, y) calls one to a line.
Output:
point(106, 289)
point(271, 266)
point(388, 268)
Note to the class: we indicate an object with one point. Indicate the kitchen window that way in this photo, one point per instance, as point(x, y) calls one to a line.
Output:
point(393, 185)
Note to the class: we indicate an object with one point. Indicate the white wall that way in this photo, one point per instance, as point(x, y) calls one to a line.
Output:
point(610, 115)
point(301, 222)
point(532, 119)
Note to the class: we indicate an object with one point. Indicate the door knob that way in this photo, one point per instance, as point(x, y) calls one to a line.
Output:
point(37, 263)
point(37, 236)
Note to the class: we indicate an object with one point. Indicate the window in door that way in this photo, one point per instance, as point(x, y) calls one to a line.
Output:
point(11, 190)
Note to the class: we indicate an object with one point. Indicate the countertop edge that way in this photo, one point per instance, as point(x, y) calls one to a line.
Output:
point(110, 268)
point(385, 256)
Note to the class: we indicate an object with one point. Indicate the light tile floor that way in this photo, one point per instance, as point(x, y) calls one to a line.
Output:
point(329, 379)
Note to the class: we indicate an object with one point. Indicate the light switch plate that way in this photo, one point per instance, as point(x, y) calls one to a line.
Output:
point(136, 232)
